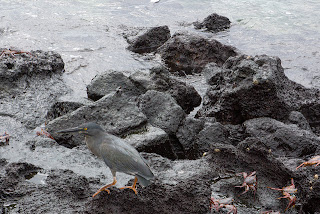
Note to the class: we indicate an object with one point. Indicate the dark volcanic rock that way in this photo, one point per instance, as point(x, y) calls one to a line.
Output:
point(113, 112)
point(187, 135)
point(60, 189)
point(190, 53)
point(67, 184)
point(108, 82)
point(197, 137)
point(214, 23)
point(212, 134)
point(151, 40)
point(181, 187)
point(28, 101)
point(282, 139)
point(161, 110)
point(185, 197)
point(37, 62)
point(228, 160)
point(15, 173)
point(30, 84)
point(153, 140)
point(250, 87)
point(61, 108)
point(311, 196)
point(159, 79)
point(297, 118)
point(311, 111)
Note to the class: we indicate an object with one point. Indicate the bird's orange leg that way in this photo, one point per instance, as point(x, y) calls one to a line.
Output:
point(105, 188)
point(133, 187)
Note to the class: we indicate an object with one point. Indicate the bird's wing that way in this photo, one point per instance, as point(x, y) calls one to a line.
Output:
point(122, 157)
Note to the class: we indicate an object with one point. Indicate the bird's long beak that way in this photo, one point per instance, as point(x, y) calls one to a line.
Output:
point(71, 130)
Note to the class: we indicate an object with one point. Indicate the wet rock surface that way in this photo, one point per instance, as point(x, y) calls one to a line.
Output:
point(110, 82)
point(250, 87)
point(30, 86)
point(186, 53)
point(153, 140)
point(63, 187)
point(213, 23)
point(149, 41)
point(161, 110)
point(15, 65)
point(311, 111)
point(284, 140)
point(114, 112)
point(159, 79)
point(61, 108)
point(253, 119)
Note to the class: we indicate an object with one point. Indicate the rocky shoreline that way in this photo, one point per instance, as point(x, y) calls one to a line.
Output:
point(252, 119)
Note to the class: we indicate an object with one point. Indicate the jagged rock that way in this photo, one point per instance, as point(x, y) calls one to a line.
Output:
point(61, 108)
point(282, 139)
point(29, 103)
point(311, 111)
point(138, 83)
point(109, 82)
point(161, 110)
point(250, 87)
point(150, 40)
point(201, 137)
point(30, 84)
point(188, 53)
point(159, 79)
point(229, 161)
point(187, 135)
point(181, 187)
point(153, 140)
point(113, 112)
point(310, 194)
point(212, 134)
point(213, 23)
point(12, 68)
point(297, 118)
point(68, 184)
point(198, 136)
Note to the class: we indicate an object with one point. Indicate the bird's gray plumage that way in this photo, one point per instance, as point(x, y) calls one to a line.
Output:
point(118, 155)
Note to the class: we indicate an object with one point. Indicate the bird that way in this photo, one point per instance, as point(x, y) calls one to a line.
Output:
point(117, 154)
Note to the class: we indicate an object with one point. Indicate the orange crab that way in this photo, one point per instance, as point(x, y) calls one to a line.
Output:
point(312, 161)
point(289, 193)
point(225, 202)
point(5, 138)
point(45, 133)
point(13, 52)
point(250, 182)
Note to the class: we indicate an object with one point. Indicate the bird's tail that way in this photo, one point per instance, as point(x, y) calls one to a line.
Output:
point(143, 181)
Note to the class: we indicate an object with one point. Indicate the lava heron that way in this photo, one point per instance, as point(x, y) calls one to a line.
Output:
point(116, 153)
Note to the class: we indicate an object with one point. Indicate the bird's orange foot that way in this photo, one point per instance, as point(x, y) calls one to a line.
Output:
point(105, 188)
point(130, 187)
point(133, 187)
point(100, 190)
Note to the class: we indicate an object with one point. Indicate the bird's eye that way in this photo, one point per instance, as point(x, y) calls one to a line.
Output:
point(85, 129)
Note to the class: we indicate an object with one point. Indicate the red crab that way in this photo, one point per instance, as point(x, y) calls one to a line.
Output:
point(225, 202)
point(12, 52)
point(289, 193)
point(250, 182)
point(5, 138)
point(45, 133)
point(312, 161)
